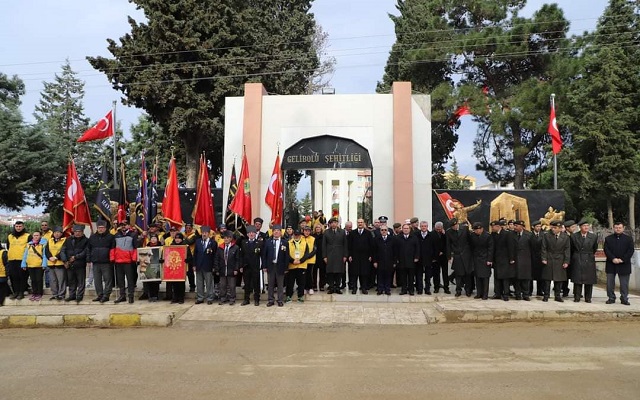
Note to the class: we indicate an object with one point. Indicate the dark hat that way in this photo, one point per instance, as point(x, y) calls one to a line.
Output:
point(277, 226)
point(102, 223)
point(383, 218)
point(397, 225)
point(519, 222)
point(179, 235)
point(569, 223)
point(502, 222)
point(222, 226)
point(173, 228)
point(251, 228)
point(188, 224)
point(57, 229)
point(414, 220)
point(227, 234)
point(289, 226)
point(122, 223)
point(536, 222)
point(453, 221)
point(511, 221)
point(477, 225)
point(555, 223)
point(78, 228)
point(205, 228)
point(306, 228)
point(494, 223)
point(297, 232)
point(258, 219)
point(502, 219)
point(583, 222)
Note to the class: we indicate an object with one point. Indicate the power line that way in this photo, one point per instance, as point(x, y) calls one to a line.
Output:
point(407, 32)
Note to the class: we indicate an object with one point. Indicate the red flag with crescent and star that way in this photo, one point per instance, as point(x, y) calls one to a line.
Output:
point(273, 197)
point(203, 212)
point(556, 139)
point(75, 206)
point(241, 204)
point(446, 200)
point(102, 130)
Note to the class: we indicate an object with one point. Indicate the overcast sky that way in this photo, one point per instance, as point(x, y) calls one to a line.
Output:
point(36, 36)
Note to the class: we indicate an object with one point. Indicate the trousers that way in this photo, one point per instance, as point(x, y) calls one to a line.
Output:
point(58, 281)
point(129, 272)
point(624, 286)
point(103, 279)
point(76, 277)
point(296, 276)
point(275, 281)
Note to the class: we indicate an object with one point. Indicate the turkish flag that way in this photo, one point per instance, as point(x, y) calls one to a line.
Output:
point(273, 197)
point(203, 212)
point(241, 204)
point(556, 140)
point(102, 130)
point(445, 200)
point(75, 206)
point(171, 202)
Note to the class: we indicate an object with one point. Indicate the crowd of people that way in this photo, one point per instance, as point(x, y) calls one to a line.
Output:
point(319, 255)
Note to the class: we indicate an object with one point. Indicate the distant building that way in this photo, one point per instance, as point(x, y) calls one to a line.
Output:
point(469, 182)
point(496, 186)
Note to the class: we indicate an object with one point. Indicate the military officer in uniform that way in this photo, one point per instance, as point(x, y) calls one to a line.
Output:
point(556, 254)
point(584, 245)
point(482, 250)
point(524, 250)
point(459, 253)
point(504, 259)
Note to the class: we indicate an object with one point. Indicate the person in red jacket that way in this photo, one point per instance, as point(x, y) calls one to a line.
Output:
point(124, 257)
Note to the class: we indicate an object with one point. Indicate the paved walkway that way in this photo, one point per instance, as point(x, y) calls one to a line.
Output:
point(318, 309)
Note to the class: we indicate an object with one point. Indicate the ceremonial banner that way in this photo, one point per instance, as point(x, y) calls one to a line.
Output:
point(75, 207)
point(103, 201)
point(174, 268)
point(149, 264)
point(171, 202)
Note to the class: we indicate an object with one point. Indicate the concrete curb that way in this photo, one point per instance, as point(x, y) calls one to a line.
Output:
point(111, 320)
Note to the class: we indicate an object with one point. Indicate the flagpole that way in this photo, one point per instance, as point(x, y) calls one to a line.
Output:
point(115, 173)
point(555, 156)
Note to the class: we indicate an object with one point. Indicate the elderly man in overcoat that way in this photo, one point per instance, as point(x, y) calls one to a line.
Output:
point(556, 254)
point(334, 252)
point(459, 253)
point(524, 250)
point(482, 250)
point(584, 245)
point(504, 259)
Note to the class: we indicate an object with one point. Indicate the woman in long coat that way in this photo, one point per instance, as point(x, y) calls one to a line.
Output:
point(584, 245)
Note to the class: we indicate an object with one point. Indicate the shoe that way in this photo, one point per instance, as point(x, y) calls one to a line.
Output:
point(402, 293)
point(518, 297)
point(209, 302)
point(53, 298)
point(287, 299)
point(144, 296)
point(280, 304)
point(427, 292)
point(411, 294)
point(587, 300)
point(447, 291)
point(625, 302)
point(329, 291)
point(192, 290)
point(70, 298)
point(565, 293)
point(322, 289)
point(337, 291)
point(559, 299)
point(436, 290)
point(13, 296)
point(458, 294)
point(477, 297)
point(232, 303)
point(120, 300)
point(485, 297)
point(505, 298)
point(365, 292)
point(526, 298)
point(99, 298)
point(576, 299)
point(300, 300)
point(610, 301)
point(199, 301)
point(269, 304)
point(221, 302)
point(32, 298)
point(181, 302)
point(174, 302)
point(418, 291)
point(79, 300)
point(130, 299)
point(496, 297)
point(545, 298)
point(245, 303)
point(104, 300)
point(469, 294)
point(387, 293)
point(311, 291)
point(378, 293)
point(256, 303)
point(354, 291)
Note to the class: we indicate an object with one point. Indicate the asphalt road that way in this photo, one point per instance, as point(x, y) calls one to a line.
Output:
point(452, 361)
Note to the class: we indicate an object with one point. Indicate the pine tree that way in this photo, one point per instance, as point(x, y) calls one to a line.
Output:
point(454, 180)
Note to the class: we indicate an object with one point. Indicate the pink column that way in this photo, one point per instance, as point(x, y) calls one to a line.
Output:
point(252, 139)
point(402, 152)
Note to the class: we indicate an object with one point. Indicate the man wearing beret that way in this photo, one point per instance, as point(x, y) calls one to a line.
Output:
point(556, 254)
point(619, 249)
point(584, 245)
point(459, 253)
point(524, 256)
point(482, 245)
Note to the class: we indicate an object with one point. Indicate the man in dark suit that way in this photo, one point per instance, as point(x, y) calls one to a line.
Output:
point(227, 265)
point(618, 248)
point(524, 249)
point(427, 258)
point(275, 257)
point(251, 266)
point(536, 261)
point(204, 255)
point(459, 252)
point(556, 254)
point(360, 251)
point(482, 250)
point(584, 245)
point(504, 259)
point(406, 254)
point(383, 260)
point(440, 268)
